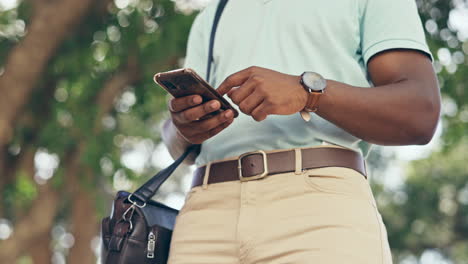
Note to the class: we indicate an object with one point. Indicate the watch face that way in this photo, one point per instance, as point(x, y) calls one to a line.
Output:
point(314, 81)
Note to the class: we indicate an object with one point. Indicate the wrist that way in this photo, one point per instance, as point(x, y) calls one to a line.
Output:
point(314, 85)
point(178, 137)
point(326, 100)
point(303, 94)
point(173, 139)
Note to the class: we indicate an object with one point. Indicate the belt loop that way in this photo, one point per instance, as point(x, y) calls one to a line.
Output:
point(365, 169)
point(298, 153)
point(206, 176)
point(368, 152)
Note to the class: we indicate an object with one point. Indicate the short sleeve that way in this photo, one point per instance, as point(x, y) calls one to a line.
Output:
point(391, 24)
point(197, 45)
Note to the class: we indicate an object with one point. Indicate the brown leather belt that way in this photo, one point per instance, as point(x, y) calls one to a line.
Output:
point(257, 165)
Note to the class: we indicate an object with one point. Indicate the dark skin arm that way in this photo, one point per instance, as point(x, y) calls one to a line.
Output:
point(402, 109)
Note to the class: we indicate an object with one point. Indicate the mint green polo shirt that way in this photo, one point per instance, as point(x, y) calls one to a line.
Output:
point(335, 38)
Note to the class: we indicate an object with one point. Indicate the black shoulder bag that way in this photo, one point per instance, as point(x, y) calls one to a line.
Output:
point(139, 230)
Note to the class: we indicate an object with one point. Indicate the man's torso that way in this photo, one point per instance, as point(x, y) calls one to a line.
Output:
point(290, 37)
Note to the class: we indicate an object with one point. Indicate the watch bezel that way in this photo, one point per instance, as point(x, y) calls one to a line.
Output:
point(310, 87)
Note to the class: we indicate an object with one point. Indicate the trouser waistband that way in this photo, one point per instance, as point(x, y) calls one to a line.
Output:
point(258, 164)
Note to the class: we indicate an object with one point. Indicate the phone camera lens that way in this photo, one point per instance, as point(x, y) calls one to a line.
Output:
point(169, 85)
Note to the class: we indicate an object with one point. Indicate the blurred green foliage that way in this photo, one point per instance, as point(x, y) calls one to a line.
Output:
point(79, 109)
point(430, 211)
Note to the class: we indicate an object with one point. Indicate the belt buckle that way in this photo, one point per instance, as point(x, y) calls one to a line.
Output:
point(254, 177)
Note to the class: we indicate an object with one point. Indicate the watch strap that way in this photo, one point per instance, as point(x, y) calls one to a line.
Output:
point(312, 101)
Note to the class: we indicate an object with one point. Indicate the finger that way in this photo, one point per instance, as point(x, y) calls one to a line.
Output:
point(182, 103)
point(238, 95)
point(185, 131)
point(260, 113)
point(203, 126)
point(236, 79)
point(250, 103)
point(216, 130)
point(232, 91)
point(197, 112)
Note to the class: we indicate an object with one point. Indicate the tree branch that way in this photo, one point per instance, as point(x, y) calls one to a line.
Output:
point(84, 204)
point(26, 62)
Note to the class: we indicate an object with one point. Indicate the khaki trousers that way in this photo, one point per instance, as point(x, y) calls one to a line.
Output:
point(322, 216)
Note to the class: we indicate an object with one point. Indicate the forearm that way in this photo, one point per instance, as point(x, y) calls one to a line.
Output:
point(384, 115)
point(402, 109)
point(174, 142)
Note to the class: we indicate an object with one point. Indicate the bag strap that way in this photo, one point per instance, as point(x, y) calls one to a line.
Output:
point(149, 188)
point(219, 12)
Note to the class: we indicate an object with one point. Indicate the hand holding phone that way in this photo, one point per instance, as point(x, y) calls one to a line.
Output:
point(198, 111)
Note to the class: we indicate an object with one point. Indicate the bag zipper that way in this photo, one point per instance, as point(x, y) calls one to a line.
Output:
point(151, 244)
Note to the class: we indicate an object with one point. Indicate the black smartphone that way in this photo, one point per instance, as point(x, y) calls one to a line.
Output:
point(184, 82)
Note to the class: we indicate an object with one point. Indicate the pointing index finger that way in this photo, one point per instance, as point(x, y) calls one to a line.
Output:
point(234, 80)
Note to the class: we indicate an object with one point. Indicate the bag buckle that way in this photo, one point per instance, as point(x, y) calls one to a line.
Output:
point(128, 215)
point(254, 177)
point(129, 198)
